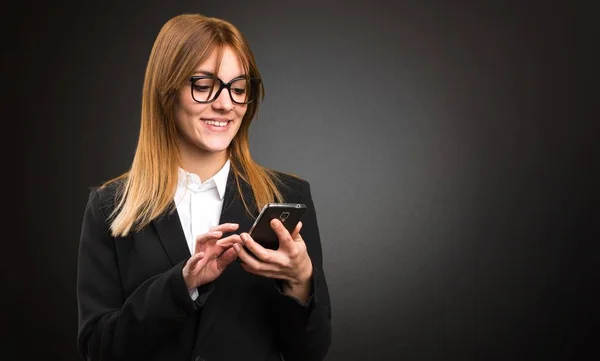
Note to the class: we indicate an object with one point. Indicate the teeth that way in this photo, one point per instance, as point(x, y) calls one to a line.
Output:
point(215, 123)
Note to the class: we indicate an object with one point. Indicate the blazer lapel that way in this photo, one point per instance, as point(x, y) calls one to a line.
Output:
point(233, 210)
point(170, 233)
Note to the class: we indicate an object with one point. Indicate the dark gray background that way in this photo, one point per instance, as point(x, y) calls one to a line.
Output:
point(451, 148)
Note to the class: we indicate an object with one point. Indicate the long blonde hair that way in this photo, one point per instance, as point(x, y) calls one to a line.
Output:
point(146, 191)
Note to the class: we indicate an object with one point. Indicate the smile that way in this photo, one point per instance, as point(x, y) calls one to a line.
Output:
point(216, 123)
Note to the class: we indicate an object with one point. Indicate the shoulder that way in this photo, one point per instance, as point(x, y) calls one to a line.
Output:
point(104, 197)
point(292, 183)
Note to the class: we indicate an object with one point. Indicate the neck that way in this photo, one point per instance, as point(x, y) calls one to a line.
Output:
point(202, 163)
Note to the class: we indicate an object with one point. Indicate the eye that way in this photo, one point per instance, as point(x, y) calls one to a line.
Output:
point(204, 84)
point(202, 88)
point(239, 87)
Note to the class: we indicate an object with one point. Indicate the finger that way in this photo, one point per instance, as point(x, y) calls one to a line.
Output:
point(247, 258)
point(191, 262)
point(263, 254)
point(226, 258)
point(229, 240)
point(296, 232)
point(285, 239)
point(264, 273)
point(200, 262)
point(255, 264)
point(225, 227)
point(205, 237)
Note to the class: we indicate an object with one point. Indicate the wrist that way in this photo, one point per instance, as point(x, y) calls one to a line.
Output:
point(186, 280)
point(303, 277)
point(300, 287)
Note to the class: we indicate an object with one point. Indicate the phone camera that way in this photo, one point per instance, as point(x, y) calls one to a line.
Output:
point(284, 216)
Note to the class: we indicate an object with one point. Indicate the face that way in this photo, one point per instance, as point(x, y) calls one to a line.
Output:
point(209, 128)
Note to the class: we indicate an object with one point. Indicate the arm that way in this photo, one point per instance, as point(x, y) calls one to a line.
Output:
point(112, 326)
point(304, 328)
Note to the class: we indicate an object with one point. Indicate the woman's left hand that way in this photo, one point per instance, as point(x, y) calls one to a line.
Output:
point(289, 263)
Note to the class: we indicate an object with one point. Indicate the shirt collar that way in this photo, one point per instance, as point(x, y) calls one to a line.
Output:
point(193, 182)
point(221, 178)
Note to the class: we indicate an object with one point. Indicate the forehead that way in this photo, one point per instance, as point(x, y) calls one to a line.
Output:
point(229, 66)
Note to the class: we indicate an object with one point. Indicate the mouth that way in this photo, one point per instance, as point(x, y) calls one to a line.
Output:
point(216, 124)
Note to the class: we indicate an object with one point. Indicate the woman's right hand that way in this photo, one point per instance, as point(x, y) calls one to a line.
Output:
point(210, 257)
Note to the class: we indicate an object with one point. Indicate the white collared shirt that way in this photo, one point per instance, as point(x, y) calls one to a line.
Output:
point(199, 204)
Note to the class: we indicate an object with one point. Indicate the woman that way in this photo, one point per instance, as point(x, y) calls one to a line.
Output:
point(157, 272)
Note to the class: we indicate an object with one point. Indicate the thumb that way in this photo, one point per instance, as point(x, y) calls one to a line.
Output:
point(296, 232)
point(227, 257)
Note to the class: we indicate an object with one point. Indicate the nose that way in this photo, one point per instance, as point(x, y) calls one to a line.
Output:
point(223, 101)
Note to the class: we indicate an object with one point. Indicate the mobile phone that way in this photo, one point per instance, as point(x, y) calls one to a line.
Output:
point(288, 213)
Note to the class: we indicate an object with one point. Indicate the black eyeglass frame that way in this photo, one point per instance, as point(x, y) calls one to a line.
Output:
point(254, 82)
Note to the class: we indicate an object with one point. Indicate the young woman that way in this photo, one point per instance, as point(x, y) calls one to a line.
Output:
point(164, 269)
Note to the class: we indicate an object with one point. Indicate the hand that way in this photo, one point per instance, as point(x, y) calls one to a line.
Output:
point(290, 262)
point(211, 255)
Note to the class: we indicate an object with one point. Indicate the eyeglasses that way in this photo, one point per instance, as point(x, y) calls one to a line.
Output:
point(242, 90)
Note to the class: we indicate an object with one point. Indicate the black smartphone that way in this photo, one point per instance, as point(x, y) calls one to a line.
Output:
point(288, 213)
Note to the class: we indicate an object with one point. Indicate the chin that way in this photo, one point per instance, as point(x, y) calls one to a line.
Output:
point(215, 147)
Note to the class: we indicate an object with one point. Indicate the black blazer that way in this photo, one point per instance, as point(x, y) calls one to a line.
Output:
point(134, 305)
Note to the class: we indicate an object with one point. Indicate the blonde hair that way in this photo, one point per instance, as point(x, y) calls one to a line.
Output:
point(148, 188)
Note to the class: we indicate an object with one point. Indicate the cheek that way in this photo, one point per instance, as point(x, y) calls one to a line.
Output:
point(240, 112)
point(188, 112)
point(240, 116)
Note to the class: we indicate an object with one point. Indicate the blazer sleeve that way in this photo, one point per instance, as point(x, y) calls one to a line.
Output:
point(112, 326)
point(304, 330)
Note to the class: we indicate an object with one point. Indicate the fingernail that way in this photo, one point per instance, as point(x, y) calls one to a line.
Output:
point(216, 234)
point(237, 247)
point(274, 223)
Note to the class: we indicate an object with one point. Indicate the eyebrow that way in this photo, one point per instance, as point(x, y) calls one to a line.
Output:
point(209, 73)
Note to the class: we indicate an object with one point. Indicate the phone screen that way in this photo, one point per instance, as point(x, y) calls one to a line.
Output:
point(288, 213)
